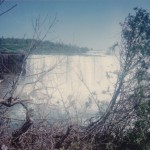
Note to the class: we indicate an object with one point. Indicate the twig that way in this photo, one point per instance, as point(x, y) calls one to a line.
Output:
point(8, 10)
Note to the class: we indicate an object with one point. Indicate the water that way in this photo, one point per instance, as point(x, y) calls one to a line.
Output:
point(72, 85)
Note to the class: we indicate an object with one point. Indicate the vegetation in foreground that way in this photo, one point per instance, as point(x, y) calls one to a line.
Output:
point(125, 124)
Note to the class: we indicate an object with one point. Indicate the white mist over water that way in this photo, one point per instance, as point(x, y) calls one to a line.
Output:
point(75, 84)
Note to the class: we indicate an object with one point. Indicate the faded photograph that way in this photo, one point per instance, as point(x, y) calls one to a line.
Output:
point(74, 74)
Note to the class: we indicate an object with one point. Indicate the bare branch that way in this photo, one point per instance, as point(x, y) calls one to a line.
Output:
point(8, 9)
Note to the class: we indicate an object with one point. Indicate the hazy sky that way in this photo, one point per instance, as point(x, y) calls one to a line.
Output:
point(89, 23)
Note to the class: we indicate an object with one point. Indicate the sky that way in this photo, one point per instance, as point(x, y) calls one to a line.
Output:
point(86, 23)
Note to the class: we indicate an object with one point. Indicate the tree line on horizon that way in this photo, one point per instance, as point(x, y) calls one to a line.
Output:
point(46, 47)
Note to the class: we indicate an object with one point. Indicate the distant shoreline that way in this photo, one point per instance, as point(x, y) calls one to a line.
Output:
point(16, 45)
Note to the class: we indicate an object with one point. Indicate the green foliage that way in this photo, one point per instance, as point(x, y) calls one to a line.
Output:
point(112, 49)
point(136, 38)
point(136, 32)
point(45, 47)
point(140, 135)
point(127, 122)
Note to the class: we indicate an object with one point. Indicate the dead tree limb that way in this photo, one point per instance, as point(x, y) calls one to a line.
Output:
point(8, 10)
point(24, 128)
point(61, 141)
